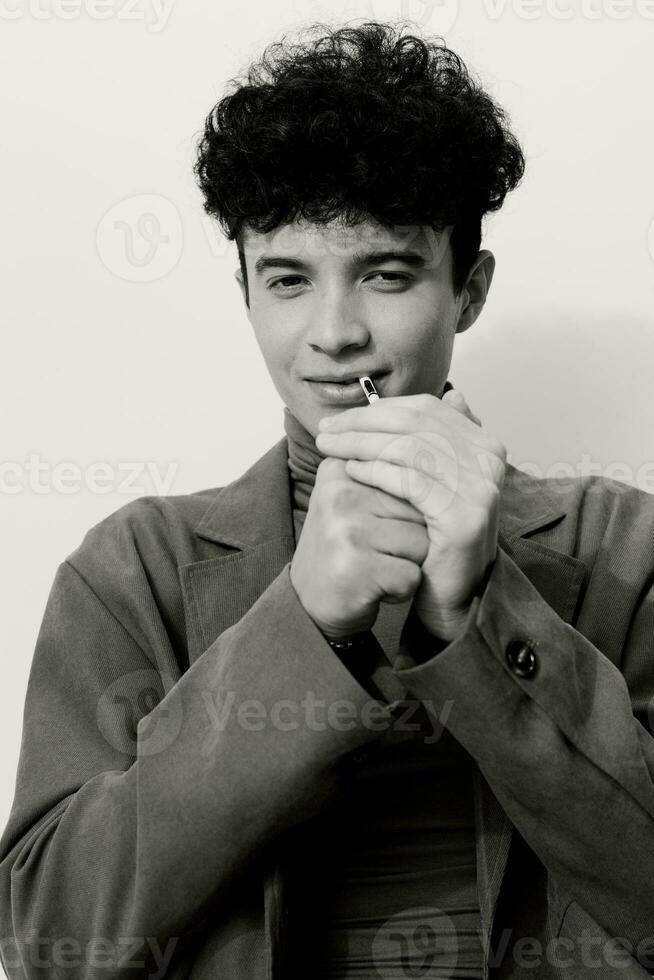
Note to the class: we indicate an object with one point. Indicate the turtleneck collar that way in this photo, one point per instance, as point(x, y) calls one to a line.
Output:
point(304, 458)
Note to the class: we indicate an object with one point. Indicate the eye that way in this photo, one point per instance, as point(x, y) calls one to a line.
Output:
point(285, 283)
point(392, 278)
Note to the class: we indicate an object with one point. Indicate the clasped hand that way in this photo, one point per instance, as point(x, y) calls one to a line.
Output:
point(434, 454)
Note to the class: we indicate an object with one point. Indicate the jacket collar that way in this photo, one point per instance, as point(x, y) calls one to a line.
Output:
point(257, 507)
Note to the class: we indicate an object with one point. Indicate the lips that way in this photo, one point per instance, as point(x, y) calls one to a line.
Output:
point(349, 378)
point(346, 392)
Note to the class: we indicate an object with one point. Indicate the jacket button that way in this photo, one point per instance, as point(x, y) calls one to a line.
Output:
point(521, 658)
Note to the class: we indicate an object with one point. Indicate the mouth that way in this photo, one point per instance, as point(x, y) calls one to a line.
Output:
point(348, 379)
point(346, 390)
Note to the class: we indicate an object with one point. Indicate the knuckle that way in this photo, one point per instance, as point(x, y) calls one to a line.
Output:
point(497, 448)
point(473, 522)
point(424, 401)
point(410, 579)
point(343, 496)
point(347, 537)
point(497, 477)
point(353, 535)
point(478, 521)
point(329, 471)
point(341, 565)
point(422, 548)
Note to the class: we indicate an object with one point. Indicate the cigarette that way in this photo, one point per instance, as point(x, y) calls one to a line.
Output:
point(369, 389)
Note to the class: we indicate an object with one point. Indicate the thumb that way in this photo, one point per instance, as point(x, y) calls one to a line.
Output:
point(455, 399)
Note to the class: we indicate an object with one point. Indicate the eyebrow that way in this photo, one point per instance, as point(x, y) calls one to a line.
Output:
point(414, 259)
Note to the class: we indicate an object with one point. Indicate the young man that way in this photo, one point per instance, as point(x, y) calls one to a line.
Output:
point(379, 707)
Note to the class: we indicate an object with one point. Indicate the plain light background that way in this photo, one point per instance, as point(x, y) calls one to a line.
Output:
point(128, 363)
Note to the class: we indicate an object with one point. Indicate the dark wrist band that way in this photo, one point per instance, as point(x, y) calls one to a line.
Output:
point(361, 654)
point(357, 643)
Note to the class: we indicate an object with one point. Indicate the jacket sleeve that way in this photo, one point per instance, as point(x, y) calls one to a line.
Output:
point(139, 799)
point(567, 751)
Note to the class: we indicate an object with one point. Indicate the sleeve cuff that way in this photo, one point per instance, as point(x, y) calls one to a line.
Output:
point(488, 703)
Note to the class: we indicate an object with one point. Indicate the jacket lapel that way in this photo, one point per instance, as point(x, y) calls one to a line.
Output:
point(250, 521)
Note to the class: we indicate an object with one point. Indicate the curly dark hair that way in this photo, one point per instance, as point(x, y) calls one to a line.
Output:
point(358, 123)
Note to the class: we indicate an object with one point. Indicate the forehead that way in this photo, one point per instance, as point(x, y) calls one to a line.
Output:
point(306, 240)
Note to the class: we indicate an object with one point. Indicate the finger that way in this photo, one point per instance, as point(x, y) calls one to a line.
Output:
point(332, 469)
point(387, 505)
point(455, 426)
point(428, 489)
point(397, 578)
point(428, 452)
point(428, 495)
point(400, 538)
point(387, 413)
point(402, 448)
point(456, 400)
point(329, 470)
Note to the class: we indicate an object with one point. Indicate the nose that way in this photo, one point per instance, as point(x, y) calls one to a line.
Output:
point(336, 324)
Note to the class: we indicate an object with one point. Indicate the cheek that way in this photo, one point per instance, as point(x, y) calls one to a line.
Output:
point(425, 336)
point(280, 360)
point(276, 349)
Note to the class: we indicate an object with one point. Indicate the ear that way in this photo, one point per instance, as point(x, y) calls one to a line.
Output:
point(474, 293)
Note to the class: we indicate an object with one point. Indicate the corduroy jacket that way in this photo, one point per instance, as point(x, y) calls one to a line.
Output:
point(168, 756)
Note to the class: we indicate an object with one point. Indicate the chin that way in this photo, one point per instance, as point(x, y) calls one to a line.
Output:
point(306, 415)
